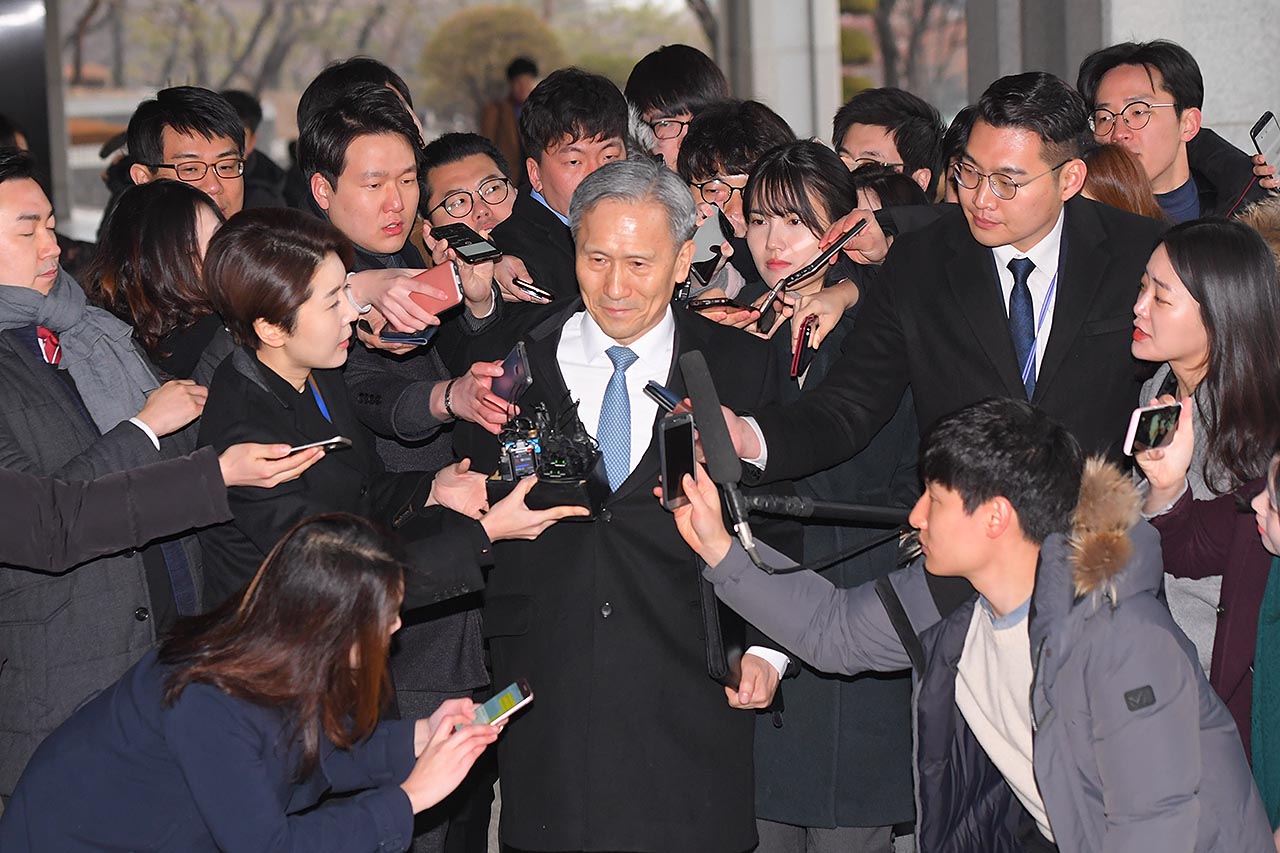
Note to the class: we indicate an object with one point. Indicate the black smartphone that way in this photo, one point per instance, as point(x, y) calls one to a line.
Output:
point(707, 242)
point(1266, 137)
point(338, 442)
point(516, 376)
point(467, 242)
point(802, 355)
point(418, 338)
point(768, 314)
point(662, 395)
point(533, 290)
point(717, 302)
point(1151, 426)
point(675, 457)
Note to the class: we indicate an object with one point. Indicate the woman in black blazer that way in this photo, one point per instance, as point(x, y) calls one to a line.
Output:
point(276, 276)
point(231, 734)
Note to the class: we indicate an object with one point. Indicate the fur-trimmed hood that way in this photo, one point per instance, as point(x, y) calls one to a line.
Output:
point(1108, 508)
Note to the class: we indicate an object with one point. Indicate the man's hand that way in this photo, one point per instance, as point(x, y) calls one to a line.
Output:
point(265, 465)
point(368, 329)
point(460, 489)
point(869, 247)
point(477, 279)
point(727, 316)
point(1166, 467)
point(756, 687)
point(700, 522)
point(511, 518)
point(473, 398)
point(388, 291)
point(173, 405)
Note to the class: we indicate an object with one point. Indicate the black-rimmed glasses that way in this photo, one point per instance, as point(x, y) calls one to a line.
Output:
point(459, 204)
point(668, 128)
point(717, 191)
point(191, 171)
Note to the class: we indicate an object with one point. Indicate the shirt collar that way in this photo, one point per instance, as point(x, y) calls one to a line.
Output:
point(1043, 254)
point(537, 195)
point(1009, 620)
point(648, 347)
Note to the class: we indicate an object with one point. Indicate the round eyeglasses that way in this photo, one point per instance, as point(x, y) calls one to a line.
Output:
point(1001, 184)
point(1136, 116)
point(191, 171)
point(458, 204)
point(718, 191)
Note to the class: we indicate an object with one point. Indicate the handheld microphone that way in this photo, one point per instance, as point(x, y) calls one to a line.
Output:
point(723, 463)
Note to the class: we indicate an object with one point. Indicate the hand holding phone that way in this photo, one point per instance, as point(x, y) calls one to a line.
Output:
point(723, 302)
point(468, 243)
point(446, 288)
point(502, 705)
point(338, 442)
point(1266, 137)
point(516, 376)
point(768, 314)
point(802, 355)
point(1151, 427)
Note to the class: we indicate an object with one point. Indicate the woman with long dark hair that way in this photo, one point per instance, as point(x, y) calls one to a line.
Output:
point(147, 273)
point(230, 735)
point(850, 736)
point(1209, 309)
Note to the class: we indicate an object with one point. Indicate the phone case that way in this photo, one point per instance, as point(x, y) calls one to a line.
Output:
point(444, 278)
point(1135, 419)
point(516, 375)
point(470, 244)
point(802, 355)
point(665, 426)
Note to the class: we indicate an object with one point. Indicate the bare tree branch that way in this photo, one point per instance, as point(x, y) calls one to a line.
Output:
point(268, 12)
point(77, 37)
point(707, 19)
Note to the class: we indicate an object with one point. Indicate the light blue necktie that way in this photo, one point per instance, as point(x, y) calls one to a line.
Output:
point(614, 433)
point(1022, 321)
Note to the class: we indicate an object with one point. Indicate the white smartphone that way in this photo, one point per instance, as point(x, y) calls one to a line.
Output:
point(1151, 426)
point(338, 442)
point(503, 705)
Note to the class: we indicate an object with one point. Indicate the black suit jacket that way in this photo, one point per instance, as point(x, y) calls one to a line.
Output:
point(536, 236)
point(628, 744)
point(937, 322)
point(446, 550)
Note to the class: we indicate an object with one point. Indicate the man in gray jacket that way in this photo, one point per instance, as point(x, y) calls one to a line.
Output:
point(1057, 706)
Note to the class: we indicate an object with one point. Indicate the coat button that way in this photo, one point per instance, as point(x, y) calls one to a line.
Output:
point(142, 614)
point(606, 609)
point(1222, 611)
point(606, 515)
point(364, 490)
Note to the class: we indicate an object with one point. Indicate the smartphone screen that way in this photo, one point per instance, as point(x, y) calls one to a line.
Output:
point(1152, 426)
point(504, 704)
point(515, 376)
point(1266, 137)
point(675, 439)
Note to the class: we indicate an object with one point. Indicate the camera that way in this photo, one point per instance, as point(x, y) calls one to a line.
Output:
point(566, 459)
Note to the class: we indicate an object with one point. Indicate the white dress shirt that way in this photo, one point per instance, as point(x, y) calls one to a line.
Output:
point(587, 369)
point(1045, 256)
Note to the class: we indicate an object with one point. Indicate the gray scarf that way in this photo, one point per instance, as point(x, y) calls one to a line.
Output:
point(110, 373)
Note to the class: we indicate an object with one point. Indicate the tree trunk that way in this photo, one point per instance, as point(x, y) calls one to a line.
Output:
point(702, 10)
point(889, 56)
point(236, 66)
point(77, 41)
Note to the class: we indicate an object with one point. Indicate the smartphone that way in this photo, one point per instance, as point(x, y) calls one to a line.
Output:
point(504, 704)
point(470, 245)
point(717, 302)
point(338, 442)
point(516, 376)
point(708, 239)
point(662, 395)
point(533, 290)
point(1266, 137)
point(444, 278)
point(675, 457)
point(1150, 427)
point(418, 338)
point(767, 313)
point(803, 354)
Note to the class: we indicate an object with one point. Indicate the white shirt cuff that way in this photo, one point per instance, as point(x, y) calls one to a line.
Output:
point(493, 304)
point(778, 659)
point(762, 460)
point(148, 430)
point(1147, 516)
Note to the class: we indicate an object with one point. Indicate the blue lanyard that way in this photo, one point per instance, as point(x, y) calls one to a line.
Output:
point(315, 392)
point(1030, 363)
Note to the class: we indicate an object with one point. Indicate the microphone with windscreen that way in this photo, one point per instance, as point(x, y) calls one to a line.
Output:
point(723, 463)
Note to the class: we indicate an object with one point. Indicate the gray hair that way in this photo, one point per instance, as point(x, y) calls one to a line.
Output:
point(635, 181)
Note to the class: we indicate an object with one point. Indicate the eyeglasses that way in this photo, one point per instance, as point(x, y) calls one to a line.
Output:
point(718, 191)
point(1002, 185)
point(458, 204)
point(191, 171)
point(1136, 116)
point(859, 162)
point(668, 128)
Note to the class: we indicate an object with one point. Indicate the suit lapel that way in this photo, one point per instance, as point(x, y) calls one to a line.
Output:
point(1081, 271)
point(971, 275)
point(555, 232)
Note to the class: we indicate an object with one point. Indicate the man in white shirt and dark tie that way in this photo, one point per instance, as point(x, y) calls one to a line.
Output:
point(628, 744)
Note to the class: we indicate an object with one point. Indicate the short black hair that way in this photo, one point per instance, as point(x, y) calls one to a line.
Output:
point(246, 106)
point(1178, 69)
point(9, 132)
point(521, 66)
point(1003, 447)
point(1039, 103)
point(16, 164)
point(916, 125)
point(337, 79)
point(574, 103)
point(452, 147)
point(367, 109)
point(730, 136)
point(788, 179)
point(675, 78)
point(956, 138)
point(893, 188)
point(185, 109)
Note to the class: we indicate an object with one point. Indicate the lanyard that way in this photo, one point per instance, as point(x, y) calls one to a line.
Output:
point(1030, 364)
point(315, 392)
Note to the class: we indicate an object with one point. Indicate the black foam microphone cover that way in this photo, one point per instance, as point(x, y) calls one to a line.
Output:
point(723, 463)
